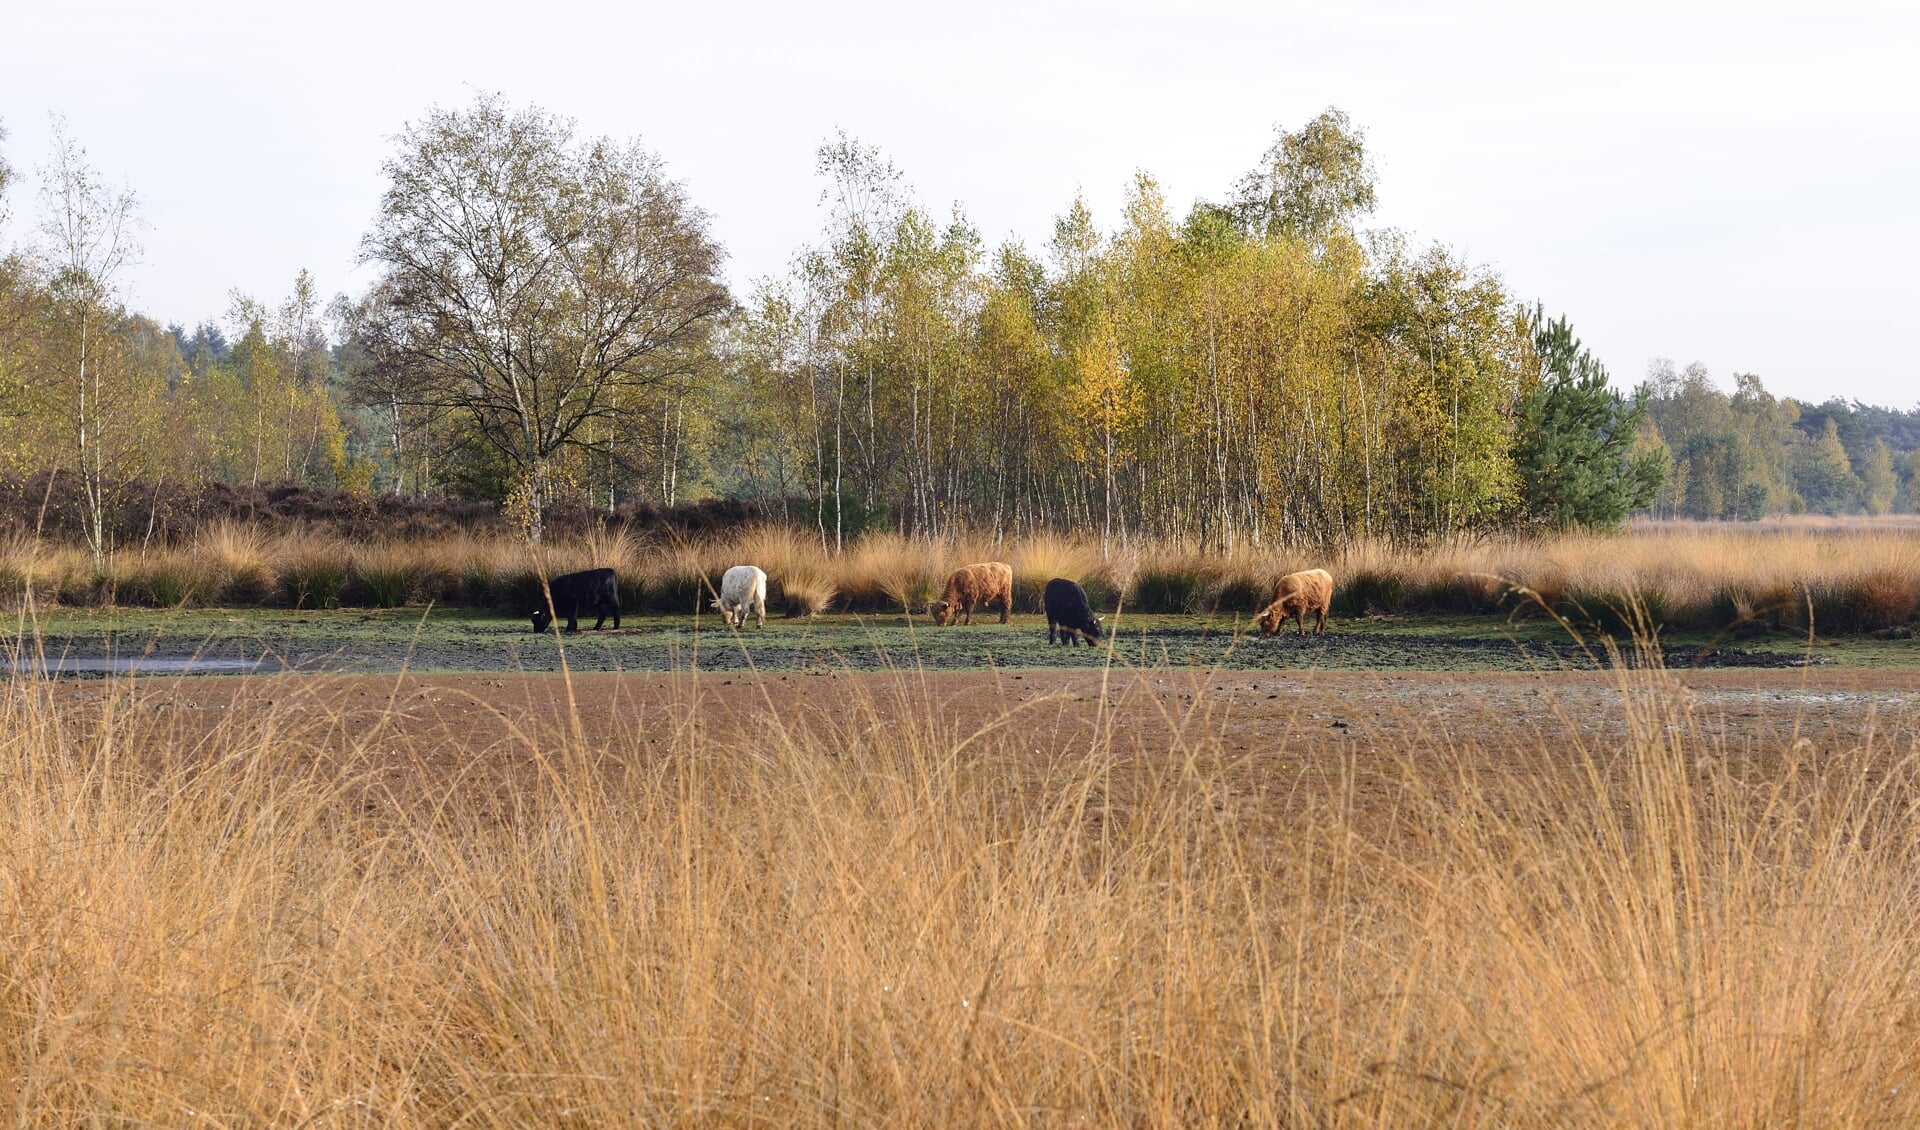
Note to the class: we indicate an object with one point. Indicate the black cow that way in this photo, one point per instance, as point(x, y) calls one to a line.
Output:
point(1067, 607)
point(591, 592)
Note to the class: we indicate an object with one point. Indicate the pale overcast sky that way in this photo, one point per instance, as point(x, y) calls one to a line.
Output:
point(1736, 184)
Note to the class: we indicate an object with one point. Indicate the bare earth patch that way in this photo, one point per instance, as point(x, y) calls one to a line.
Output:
point(1281, 738)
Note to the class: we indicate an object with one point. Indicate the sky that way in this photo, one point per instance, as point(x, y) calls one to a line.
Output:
point(1736, 184)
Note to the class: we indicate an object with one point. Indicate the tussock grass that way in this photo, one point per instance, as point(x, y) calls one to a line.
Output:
point(888, 572)
point(1039, 558)
point(32, 567)
point(315, 575)
point(234, 565)
point(1851, 577)
point(896, 918)
point(1172, 579)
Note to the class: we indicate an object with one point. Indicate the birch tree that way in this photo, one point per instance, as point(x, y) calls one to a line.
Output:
point(89, 229)
point(539, 283)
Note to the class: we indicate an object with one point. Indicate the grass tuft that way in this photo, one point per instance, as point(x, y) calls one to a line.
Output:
point(802, 592)
point(1370, 592)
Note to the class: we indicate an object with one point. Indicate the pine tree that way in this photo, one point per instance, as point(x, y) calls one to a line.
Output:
point(1576, 448)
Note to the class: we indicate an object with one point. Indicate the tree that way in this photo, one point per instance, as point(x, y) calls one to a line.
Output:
point(6, 178)
point(15, 297)
point(1730, 452)
point(89, 231)
point(1879, 485)
point(1576, 447)
point(539, 285)
point(866, 197)
point(377, 377)
point(1308, 184)
point(1823, 475)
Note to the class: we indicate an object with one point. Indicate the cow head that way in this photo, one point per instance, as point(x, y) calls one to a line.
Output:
point(1271, 619)
point(541, 618)
point(942, 612)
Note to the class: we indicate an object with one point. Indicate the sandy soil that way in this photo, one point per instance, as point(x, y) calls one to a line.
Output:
point(1274, 736)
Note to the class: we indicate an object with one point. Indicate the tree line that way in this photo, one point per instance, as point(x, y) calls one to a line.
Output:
point(548, 323)
point(1748, 454)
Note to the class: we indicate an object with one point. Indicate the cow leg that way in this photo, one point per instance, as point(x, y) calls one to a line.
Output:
point(969, 614)
point(760, 611)
point(601, 621)
point(573, 624)
point(1006, 607)
point(1320, 627)
point(1049, 633)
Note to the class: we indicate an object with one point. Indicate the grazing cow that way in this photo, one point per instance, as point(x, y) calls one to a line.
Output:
point(1296, 595)
point(975, 586)
point(1067, 606)
point(743, 589)
point(588, 593)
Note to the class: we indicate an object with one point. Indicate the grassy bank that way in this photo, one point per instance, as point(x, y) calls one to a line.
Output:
point(1846, 577)
point(899, 918)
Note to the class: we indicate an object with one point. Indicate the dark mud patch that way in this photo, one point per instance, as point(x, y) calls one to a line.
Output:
point(1364, 651)
point(381, 643)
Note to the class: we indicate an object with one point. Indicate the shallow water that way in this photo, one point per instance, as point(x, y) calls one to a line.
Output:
point(140, 665)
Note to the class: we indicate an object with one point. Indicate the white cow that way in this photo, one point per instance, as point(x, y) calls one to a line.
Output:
point(743, 589)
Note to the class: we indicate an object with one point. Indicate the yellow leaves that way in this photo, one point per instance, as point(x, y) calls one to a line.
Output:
point(1106, 405)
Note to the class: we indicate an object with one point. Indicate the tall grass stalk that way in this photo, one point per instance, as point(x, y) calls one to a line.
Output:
point(892, 917)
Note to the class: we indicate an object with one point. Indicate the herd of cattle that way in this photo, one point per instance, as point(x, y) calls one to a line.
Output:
point(743, 592)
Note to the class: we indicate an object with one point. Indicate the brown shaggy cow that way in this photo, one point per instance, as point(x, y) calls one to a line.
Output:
point(1296, 595)
point(975, 586)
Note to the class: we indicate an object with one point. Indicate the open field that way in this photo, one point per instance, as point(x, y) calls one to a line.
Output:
point(1176, 897)
point(1454, 866)
point(265, 640)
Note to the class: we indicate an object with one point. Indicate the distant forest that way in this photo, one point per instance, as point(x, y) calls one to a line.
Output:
point(549, 327)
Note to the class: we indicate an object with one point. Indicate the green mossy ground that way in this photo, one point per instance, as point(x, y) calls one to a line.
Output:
point(467, 640)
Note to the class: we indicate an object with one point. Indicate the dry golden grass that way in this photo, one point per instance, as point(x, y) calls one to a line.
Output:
point(1039, 558)
point(1856, 576)
point(920, 923)
point(888, 571)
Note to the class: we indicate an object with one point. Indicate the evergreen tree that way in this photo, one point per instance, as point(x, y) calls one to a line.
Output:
point(1576, 445)
point(1879, 486)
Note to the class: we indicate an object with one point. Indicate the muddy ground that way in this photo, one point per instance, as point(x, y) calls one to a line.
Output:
point(1274, 740)
point(79, 642)
point(470, 701)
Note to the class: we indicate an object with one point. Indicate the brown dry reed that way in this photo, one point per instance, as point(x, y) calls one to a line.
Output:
point(889, 919)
